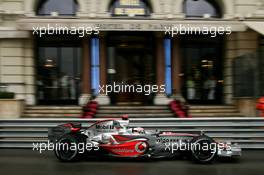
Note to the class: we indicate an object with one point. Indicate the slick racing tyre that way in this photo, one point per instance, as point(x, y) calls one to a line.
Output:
point(203, 149)
point(67, 148)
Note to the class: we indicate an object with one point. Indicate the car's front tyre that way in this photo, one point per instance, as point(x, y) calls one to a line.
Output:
point(67, 148)
point(203, 149)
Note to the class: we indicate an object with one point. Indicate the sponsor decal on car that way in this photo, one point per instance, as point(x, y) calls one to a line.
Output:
point(100, 126)
point(141, 147)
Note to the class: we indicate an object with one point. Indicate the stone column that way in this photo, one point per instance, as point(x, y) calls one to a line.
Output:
point(176, 67)
point(160, 97)
point(86, 72)
point(103, 71)
point(160, 61)
point(30, 73)
point(29, 7)
point(102, 98)
point(238, 44)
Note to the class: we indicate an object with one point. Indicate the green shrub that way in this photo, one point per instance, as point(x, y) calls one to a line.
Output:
point(6, 95)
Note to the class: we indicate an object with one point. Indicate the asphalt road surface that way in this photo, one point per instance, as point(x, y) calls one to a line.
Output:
point(27, 162)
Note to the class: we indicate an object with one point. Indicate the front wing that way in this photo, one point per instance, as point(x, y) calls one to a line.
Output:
point(234, 151)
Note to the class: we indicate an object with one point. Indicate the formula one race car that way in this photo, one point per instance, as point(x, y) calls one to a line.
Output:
point(114, 137)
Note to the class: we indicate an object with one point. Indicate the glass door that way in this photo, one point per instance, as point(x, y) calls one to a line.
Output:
point(202, 70)
point(59, 71)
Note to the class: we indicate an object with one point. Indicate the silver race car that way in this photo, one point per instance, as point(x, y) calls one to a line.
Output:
point(114, 138)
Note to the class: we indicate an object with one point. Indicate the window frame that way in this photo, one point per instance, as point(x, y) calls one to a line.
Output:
point(148, 10)
point(213, 3)
point(75, 9)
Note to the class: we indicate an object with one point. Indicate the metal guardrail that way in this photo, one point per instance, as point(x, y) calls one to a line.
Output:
point(247, 132)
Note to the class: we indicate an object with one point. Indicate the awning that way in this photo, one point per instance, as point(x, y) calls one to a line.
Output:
point(256, 25)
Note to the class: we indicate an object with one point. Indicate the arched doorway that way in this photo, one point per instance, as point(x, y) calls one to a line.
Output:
point(131, 62)
point(130, 54)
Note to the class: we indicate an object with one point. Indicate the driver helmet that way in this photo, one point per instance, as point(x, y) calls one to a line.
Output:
point(138, 130)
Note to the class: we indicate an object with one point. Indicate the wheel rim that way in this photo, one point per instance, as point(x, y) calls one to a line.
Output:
point(204, 154)
point(64, 149)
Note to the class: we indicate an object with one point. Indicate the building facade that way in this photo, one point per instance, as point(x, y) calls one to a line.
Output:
point(134, 42)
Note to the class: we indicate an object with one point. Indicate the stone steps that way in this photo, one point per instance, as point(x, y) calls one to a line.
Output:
point(57, 111)
point(207, 107)
point(200, 115)
point(164, 111)
point(214, 111)
point(121, 107)
point(53, 107)
point(52, 112)
point(160, 111)
point(50, 115)
point(159, 115)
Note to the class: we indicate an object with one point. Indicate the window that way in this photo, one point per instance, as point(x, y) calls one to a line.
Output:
point(202, 78)
point(59, 70)
point(201, 8)
point(130, 8)
point(62, 7)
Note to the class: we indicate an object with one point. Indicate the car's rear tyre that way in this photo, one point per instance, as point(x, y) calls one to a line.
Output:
point(67, 147)
point(203, 149)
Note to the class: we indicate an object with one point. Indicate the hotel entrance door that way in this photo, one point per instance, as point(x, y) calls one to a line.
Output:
point(130, 62)
point(202, 70)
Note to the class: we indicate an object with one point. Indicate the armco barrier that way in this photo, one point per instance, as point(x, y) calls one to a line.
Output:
point(247, 132)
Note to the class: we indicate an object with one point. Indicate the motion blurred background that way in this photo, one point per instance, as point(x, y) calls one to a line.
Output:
point(55, 75)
